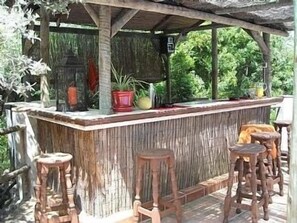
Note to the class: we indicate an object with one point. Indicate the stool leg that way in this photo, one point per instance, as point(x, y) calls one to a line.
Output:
point(265, 194)
point(254, 205)
point(43, 193)
point(279, 169)
point(155, 165)
point(239, 186)
point(137, 202)
point(175, 189)
point(71, 210)
point(37, 192)
point(227, 202)
point(289, 146)
point(63, 184)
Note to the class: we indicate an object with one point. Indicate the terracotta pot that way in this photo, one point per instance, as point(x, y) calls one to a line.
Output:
point(122, 101)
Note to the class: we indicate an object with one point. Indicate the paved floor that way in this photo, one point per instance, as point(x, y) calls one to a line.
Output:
point(207, 210)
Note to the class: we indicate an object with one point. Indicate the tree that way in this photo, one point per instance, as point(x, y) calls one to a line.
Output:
point(14, 65)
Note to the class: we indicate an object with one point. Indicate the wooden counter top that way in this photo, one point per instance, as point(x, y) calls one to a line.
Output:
point(92, 119)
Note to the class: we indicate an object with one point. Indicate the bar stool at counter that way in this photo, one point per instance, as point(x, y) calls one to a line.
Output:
point(278, 125)
point(154, 157)
point(64, 212)
point(268, 139)
point(254, 152)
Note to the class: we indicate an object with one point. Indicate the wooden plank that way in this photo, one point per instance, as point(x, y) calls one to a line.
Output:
point(12, 129)
point(253, 8)
point(185, 12)
point(13, 174)
point(214, 64)
point(122, 19)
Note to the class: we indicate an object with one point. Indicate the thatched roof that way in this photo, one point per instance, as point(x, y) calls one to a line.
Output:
point(277, 14)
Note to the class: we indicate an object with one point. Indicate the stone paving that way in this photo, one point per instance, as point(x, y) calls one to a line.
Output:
point(206, 210)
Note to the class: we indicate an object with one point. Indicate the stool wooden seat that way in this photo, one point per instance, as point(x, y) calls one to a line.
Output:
point(254, 152)
point(154, 157)
point(66, 211)
point(278, 125)
point(268, 139)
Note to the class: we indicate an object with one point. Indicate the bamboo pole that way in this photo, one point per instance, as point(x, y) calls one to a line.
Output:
point(292, 193)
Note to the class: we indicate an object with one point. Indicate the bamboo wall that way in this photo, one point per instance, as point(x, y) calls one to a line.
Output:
point(104, 159)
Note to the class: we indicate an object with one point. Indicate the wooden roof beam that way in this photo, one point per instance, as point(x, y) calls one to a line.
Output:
point(274, 21)
point(254, 7)
point(258, 38)
point(199, 28)
point(122, 19)
point(185, 12)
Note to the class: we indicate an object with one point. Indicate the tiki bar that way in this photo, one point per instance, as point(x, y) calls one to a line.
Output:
point(122, 158)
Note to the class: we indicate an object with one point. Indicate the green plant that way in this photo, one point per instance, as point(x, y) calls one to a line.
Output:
point(124, 82)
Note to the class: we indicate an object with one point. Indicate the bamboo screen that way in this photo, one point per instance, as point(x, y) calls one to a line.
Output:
point(133, 53)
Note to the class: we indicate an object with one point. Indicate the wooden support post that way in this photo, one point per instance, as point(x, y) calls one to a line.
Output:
point(104, 59)
point(44, 54)
point(121, 20)
point(214, 63)
point(168, 78)
point(267, 65)
point(292, 193)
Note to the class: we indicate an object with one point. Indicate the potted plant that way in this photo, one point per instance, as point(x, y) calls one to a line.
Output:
point(123, 89)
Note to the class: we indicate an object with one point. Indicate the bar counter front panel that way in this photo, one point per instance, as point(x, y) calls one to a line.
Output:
point(104, 158)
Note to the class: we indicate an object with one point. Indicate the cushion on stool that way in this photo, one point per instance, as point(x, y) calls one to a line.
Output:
point(247, 129)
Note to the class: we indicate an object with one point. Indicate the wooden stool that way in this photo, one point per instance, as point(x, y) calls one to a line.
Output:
point(278, 125)
point(154, 157)
point(268, 139)
point(254, 152)
point(66, 211)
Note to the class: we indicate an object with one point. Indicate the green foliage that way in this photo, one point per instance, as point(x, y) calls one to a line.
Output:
point(13, 65)
point(240, 65)
point(124, 82)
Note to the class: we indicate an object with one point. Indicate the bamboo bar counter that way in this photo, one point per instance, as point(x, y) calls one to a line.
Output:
point(104, 146)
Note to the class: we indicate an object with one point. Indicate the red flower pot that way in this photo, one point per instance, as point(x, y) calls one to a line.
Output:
point(122, 101)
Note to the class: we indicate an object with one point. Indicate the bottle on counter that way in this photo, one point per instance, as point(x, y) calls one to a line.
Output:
point(152, 94)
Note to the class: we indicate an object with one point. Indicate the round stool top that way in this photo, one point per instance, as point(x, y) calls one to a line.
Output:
point(282, 123)
point(247, 149)
point(53, 158)
point(155, 154)
point(265, 135)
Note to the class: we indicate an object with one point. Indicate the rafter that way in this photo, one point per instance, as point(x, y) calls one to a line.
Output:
point(92, 13)
point(161, 22)
point(254, 7)
point(189, 29)
point(122, 19)
point(258, 38)
point(185, 12)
